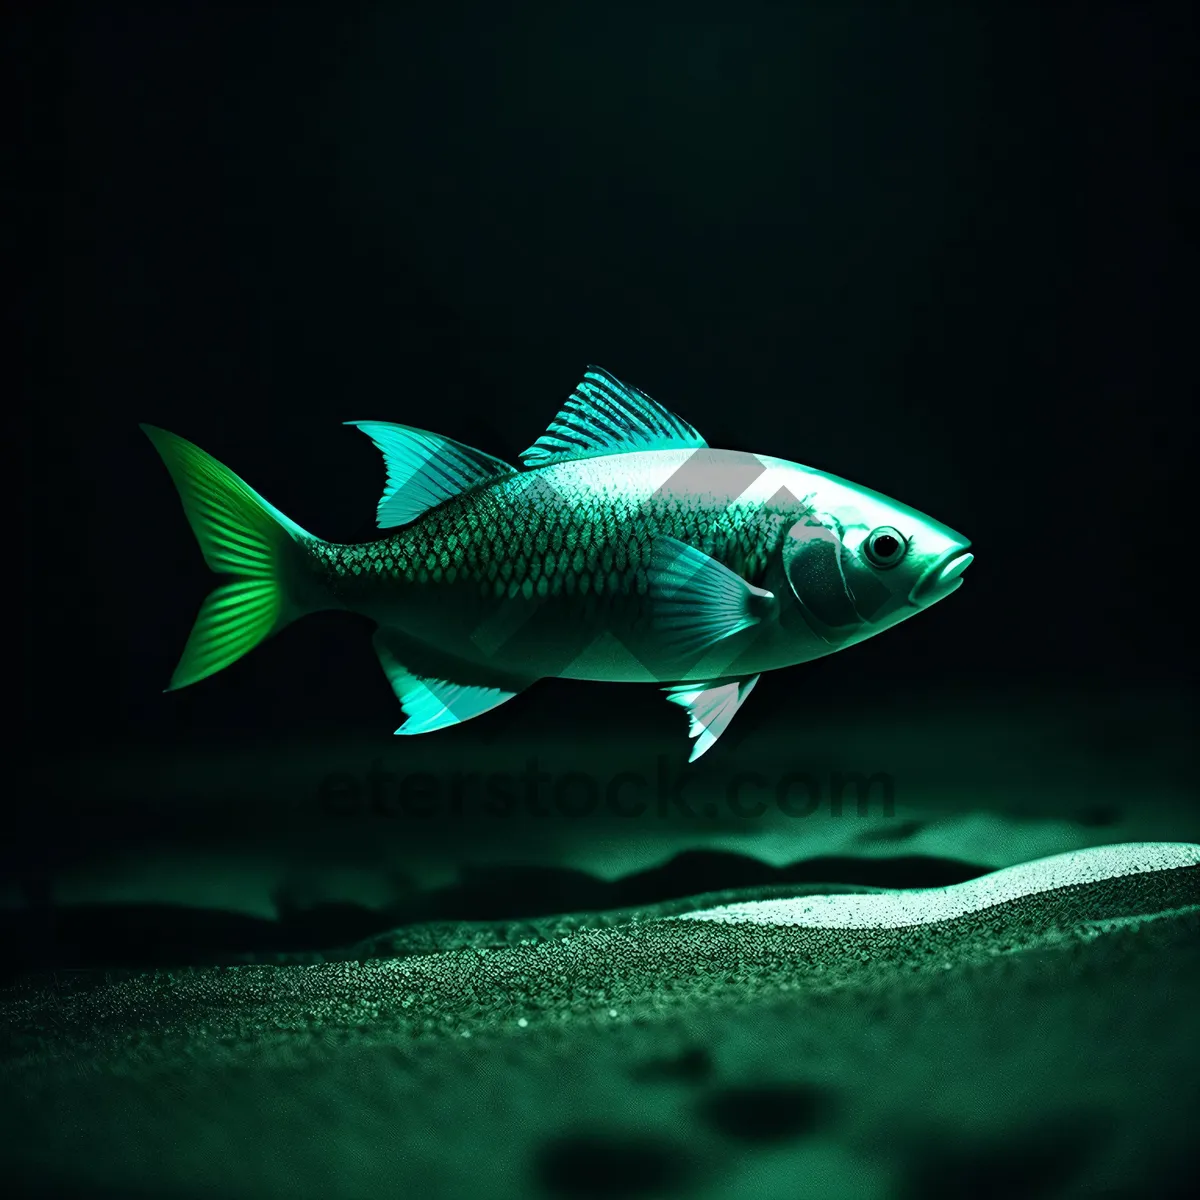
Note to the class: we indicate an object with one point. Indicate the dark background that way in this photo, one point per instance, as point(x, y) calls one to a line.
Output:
point(930, 250)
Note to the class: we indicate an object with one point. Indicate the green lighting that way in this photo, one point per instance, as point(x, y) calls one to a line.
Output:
point(626, 550)
point(925, 906)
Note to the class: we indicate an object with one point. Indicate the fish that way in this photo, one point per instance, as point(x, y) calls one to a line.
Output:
point(623, 548)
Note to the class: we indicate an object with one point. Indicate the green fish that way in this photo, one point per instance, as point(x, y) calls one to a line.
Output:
point(623, 549)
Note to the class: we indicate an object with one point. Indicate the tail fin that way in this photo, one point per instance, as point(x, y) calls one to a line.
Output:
point(240, 534)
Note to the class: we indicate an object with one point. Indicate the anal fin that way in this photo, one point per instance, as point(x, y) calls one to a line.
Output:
point(435, 691)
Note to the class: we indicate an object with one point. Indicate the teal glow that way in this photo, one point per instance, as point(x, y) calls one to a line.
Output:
point(424, 469)
point(627, 550)
point(605, 416)
point(240, 534)
point(925, 906)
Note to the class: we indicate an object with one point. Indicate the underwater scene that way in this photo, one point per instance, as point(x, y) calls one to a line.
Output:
point(606, 609)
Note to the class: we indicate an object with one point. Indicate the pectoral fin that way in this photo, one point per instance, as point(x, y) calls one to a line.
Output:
point(436, 692)
point(711, 706)
point(697, 601)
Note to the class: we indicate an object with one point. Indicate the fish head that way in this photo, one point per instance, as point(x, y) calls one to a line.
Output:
point(858, 562)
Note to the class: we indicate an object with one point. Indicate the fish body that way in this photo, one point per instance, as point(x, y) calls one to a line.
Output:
point(624, 549)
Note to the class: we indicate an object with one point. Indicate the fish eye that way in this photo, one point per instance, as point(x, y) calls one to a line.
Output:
point(885, 547)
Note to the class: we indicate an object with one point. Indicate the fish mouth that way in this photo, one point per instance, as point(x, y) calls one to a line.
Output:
point(944, 577)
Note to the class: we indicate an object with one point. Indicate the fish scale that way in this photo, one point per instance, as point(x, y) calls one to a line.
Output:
point(501, 542)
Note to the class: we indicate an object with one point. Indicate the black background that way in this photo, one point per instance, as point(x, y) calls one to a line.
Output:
point(934, 249)
point(930, 250)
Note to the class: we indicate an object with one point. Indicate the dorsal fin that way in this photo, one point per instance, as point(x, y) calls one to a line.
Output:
point(606, 416)
point(423, 469)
